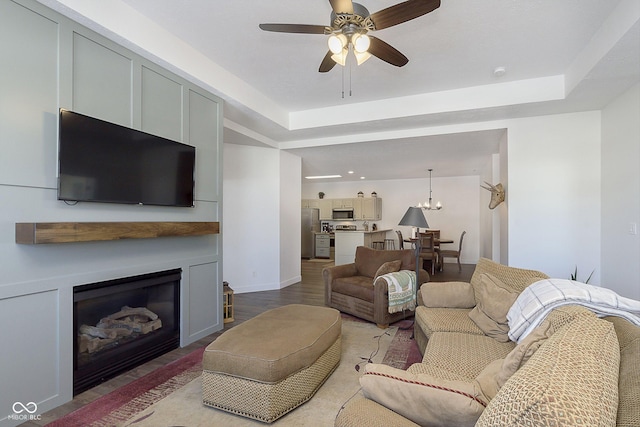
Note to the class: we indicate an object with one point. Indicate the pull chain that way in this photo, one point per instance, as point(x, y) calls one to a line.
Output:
point(342, 82)
point(349, 78)
point(347, 63)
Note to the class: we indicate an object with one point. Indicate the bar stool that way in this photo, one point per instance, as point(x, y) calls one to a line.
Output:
point(377, 245)
point(389, 244)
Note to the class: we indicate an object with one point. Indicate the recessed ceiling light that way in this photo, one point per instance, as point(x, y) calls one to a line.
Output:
point(350, 172)
point(323, 176)
point(499, 71)
point(362, 177)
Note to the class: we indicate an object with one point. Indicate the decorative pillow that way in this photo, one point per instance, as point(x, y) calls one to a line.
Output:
point(523, 351)
point(448, 294)
point(572, 379)
point(422, 398)
point(488, 379)
point(388, 267)
point(493, 301)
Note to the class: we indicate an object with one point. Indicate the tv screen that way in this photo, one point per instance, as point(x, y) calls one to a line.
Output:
point(100, 161)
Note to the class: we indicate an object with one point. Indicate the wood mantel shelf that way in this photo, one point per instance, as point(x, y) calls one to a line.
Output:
point(36, 233)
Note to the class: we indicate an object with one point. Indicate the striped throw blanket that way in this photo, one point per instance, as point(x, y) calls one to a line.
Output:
point(538, 299)
point(402, 290)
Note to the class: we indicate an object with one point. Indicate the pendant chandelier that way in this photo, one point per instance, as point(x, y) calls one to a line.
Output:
point(429, 205)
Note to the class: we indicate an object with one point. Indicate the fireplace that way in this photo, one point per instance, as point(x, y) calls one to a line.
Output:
point(122, 323)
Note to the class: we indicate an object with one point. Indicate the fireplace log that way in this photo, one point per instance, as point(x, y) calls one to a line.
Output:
point(143, 327)
point(90, 344)
point(130, 311)
point(98, 332)
point(108, 323)
point(87, 344)
point(102, 343)
point(122, 329)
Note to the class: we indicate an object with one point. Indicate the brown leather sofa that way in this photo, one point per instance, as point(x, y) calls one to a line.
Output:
point(350, 287)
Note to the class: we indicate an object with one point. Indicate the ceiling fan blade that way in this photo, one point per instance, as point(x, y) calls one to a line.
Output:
point(342, 6)
point(386, 52)
point(294, 28)
point(403, 12)
point(327, 63)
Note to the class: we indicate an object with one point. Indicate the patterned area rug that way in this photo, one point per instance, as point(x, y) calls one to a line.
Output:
point(403, 351)
point(174, 390)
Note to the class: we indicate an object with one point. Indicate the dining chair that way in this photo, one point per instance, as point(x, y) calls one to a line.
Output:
point(400, 239)
point(436, 243)
point(452, 253)
point(428, 250)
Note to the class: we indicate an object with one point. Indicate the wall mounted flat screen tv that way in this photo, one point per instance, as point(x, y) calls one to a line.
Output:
point(100, 161)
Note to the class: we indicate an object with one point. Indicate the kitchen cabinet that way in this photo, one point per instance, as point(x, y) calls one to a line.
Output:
point(348, 241)
point(311, 203)
point(368, 209)
point(326, 209)
point(325, 206)
point(346, 244)
point(342, 203)
point(364, 208)
point(323, 245)
point(372, 209)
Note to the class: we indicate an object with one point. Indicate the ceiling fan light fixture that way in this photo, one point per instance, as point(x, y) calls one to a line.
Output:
point(341, 57)
point(361, 42)
point(361, 56)
point(337, 43)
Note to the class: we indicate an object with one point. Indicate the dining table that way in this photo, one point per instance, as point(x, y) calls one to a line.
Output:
point(436, 242)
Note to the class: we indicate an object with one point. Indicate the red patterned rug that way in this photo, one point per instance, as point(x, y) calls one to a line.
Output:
point(403, 351)
point(122, 404)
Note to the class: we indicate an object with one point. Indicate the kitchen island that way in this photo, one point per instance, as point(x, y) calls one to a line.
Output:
point(346, 243)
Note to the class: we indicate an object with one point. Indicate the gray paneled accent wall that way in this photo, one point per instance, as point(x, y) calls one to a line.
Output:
point(51, 62)
point(102, 81)
point(162, 105)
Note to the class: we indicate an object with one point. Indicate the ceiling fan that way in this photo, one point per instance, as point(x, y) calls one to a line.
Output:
point(350, 23)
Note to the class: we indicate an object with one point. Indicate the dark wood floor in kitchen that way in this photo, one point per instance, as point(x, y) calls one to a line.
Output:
point(246, 305)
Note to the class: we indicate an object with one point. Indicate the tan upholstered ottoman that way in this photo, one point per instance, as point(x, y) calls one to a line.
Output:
point(273, 363)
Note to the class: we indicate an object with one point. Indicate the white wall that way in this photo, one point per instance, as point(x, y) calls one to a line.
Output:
point(554, 194)
point(458, 195)
point(290, 232)
point(553, 198)
point(621, 194)
point(251, 211)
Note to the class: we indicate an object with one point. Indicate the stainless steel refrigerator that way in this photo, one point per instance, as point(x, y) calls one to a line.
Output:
point(310, 226)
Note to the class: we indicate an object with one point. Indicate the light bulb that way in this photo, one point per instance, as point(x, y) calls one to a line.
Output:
point(361, 42)
point(337, 43)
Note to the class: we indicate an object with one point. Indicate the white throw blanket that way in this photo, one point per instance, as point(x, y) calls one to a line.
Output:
point(401, 286)
point(538, 299)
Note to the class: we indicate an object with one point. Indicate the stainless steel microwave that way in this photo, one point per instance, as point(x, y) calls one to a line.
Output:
point(342, 214)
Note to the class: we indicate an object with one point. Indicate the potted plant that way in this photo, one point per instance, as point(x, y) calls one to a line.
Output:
point(321, 195)
point(574, 276)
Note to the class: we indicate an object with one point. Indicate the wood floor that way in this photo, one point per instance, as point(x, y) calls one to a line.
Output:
point(246, 306)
